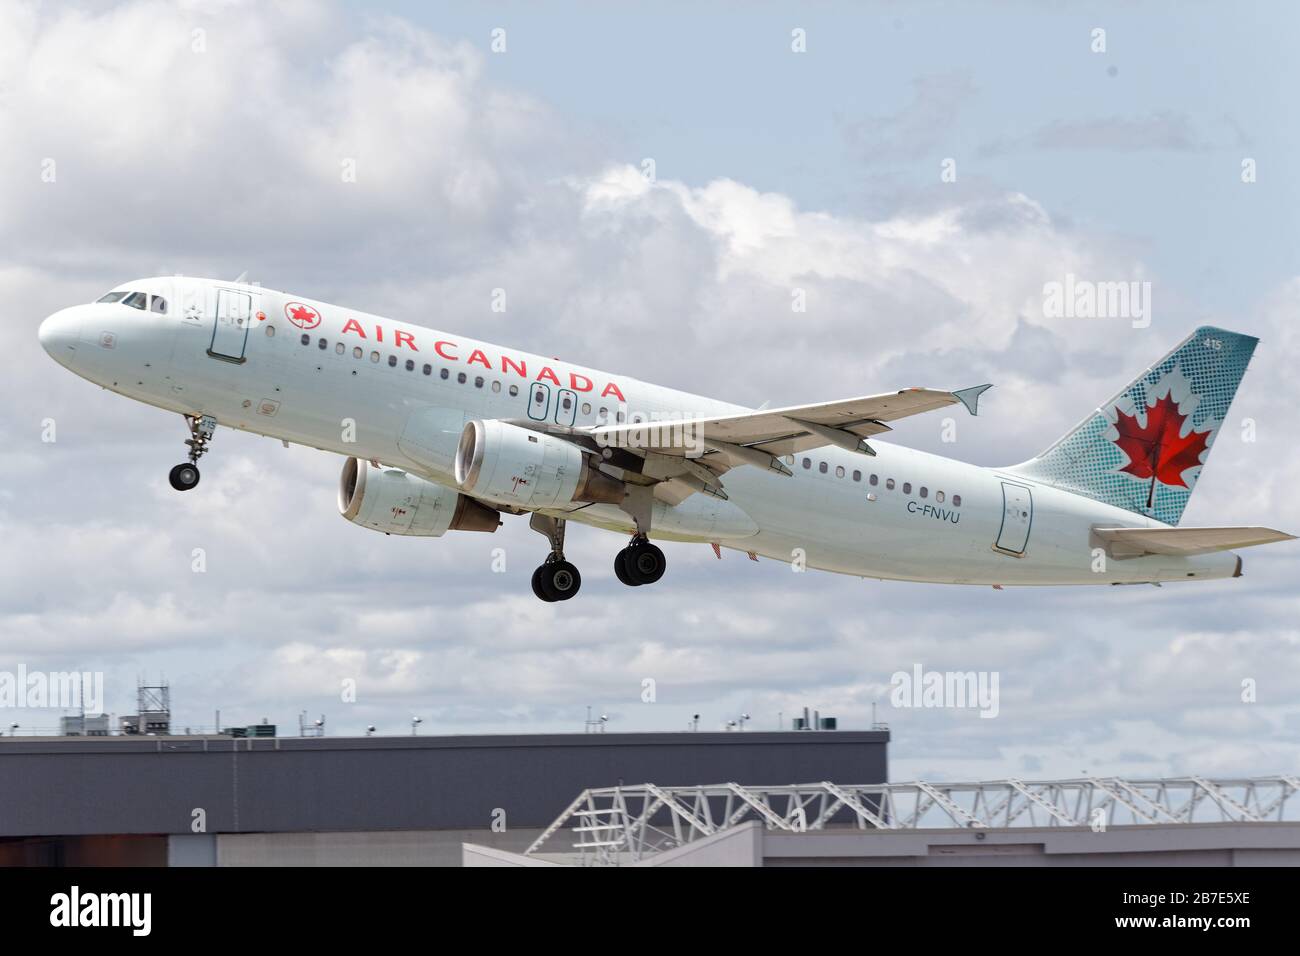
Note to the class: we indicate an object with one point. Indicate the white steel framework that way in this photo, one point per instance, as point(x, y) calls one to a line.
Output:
point(625, 824)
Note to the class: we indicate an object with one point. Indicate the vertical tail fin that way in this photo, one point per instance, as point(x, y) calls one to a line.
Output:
point(1144, 449)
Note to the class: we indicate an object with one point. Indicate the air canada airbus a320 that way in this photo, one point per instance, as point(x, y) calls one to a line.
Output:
point(446, 433)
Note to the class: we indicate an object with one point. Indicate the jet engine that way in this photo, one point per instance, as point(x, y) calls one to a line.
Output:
point(515, 466)
point(391, 501)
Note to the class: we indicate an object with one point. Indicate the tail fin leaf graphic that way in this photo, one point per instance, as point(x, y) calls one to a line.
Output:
point(1145, 448)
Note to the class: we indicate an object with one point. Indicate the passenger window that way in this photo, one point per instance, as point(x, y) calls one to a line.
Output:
point(514, 389)
point(270, 331)
point(566, 402)
point(938, 496)
point(461, 377)
point(392, 361)
point(496, 386)
point(444, 374)
point(907, 487)
point(873, 481)
point(857, 475)
point(586, 408)
point(839, 471)
point(322, 344)
point(478, 381)
point(807, 462)
point(821, 466)
point(306, 339)
point(889, 484)
point(410, 365)
point(924, 491)
point(374, 356)
point(956, 501)
point(789, 459)
point(428, 369)
point(339, 347)
point(357, 352)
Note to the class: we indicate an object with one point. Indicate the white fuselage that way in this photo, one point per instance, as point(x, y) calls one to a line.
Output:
point(348, 390)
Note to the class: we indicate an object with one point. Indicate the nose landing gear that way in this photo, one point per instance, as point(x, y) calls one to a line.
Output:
point(186, 475)
point(556, 579)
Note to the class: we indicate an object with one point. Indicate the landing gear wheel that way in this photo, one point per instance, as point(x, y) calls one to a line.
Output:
point(559, 580)
point(620, 569)
point(640, 563)
point(646, 563)
point(556, 579)
point(184, 477)
point(537, 585)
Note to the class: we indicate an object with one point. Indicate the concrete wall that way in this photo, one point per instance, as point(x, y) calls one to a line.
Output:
point(1185, 844)
point(1195, 844)
point(404, 848)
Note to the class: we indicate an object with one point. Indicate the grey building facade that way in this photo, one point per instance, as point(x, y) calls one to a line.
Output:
point(366, 800)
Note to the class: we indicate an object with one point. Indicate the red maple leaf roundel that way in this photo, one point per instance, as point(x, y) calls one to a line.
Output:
point(303, 316)
point(1158, 450)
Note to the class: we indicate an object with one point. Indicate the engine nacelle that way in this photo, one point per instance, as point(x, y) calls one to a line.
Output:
point(510, 465)
point(391, 501)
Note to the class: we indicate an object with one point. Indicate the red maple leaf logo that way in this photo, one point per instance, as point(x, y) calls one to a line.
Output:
point(1158, 451)
point(303, 316)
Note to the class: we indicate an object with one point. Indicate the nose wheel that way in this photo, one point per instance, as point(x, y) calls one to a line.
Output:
point(640, 563)
point(186, 475)
point(556, 579)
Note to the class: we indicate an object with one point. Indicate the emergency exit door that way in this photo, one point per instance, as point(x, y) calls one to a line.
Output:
point(1017, 517)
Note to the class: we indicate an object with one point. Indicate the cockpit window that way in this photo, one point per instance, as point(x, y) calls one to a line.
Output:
point(158, 304)
point(137, 300)
point(112, 297)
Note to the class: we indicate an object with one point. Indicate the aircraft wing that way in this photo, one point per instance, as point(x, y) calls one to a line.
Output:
point(784, 431)
point(1134, 542)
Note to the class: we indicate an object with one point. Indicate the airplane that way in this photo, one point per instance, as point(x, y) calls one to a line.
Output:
point(442, 432)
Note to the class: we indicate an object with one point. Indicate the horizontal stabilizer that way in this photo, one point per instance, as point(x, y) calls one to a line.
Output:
point(1134, 542)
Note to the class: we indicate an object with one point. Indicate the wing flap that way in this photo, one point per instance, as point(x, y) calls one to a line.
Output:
point(1134, 542)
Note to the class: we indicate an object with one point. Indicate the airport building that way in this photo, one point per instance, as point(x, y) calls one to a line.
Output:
point(221, 801)
point(611, 799)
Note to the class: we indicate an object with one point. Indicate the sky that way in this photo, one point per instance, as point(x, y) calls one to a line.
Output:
point(649, 184)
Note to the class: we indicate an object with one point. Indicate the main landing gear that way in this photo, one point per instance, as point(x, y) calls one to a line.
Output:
point(556, 579)
point(640, 562)
point(186, 475)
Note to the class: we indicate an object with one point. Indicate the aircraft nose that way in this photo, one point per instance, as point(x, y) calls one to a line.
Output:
point(60, 333)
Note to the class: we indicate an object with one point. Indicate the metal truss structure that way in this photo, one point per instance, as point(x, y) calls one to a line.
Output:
point(625, 824)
